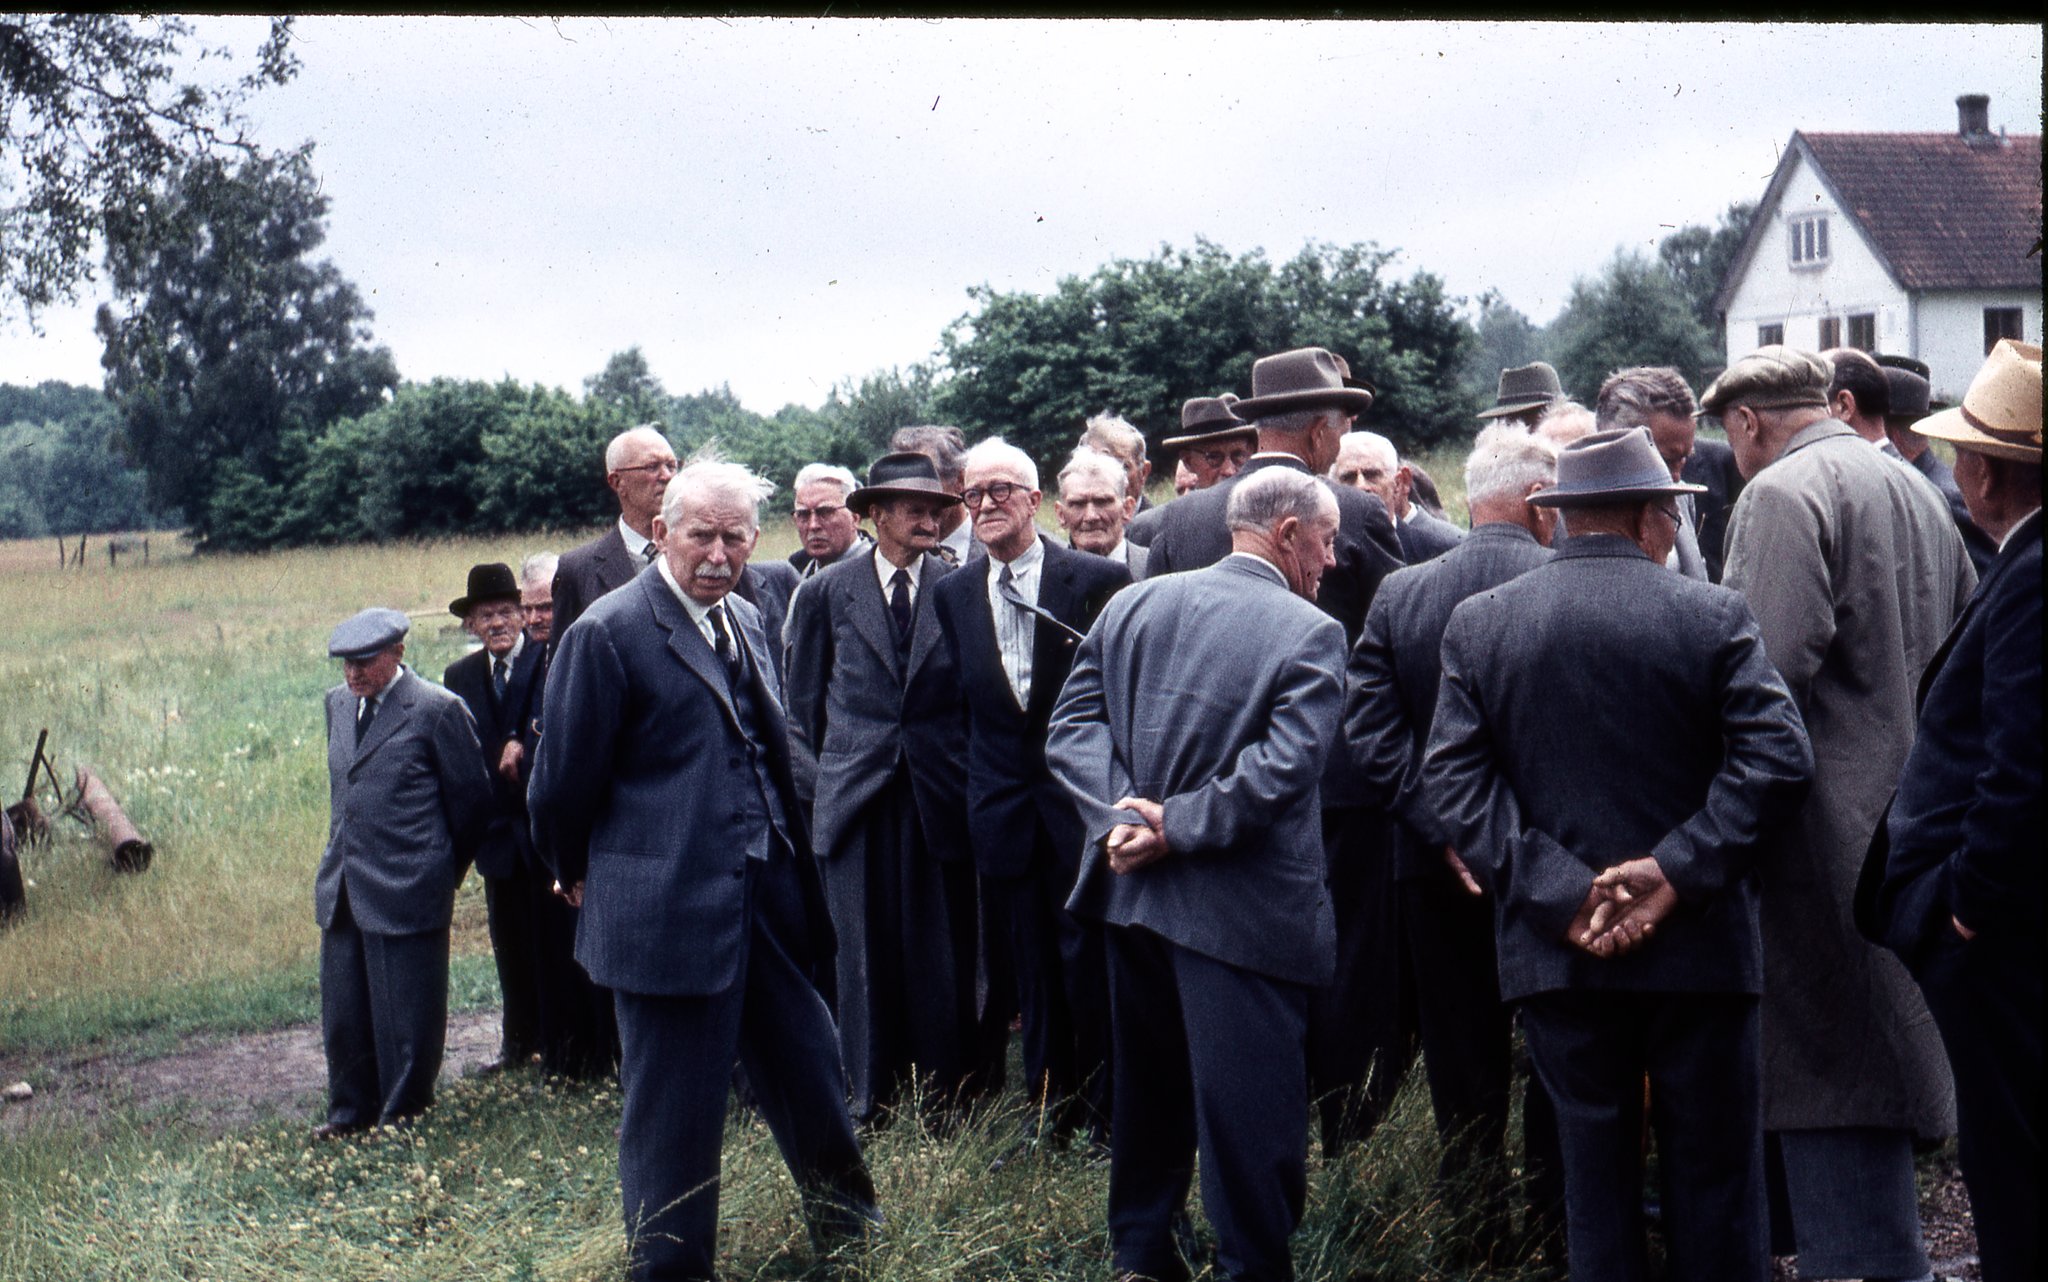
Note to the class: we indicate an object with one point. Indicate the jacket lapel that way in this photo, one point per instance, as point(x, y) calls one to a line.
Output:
point(394, 706)
point(870, 611)
point(686, 642)
point(1057, 596)
point(924, 621)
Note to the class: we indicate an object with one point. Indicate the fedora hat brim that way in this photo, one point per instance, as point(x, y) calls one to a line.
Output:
point(1350, 400)
point(462, 605)
point(1517, 407)
point(1556, 496)
point(867, 496)
point(1202, 438)
point(1952, 426)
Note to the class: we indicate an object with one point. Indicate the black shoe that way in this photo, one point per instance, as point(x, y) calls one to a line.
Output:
point(337, 1130)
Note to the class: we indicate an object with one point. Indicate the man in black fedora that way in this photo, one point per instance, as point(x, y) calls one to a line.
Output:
point(1524, 393)
point(1214, 445)
point(878, 742)
point(501, 685)
point(1610, 744)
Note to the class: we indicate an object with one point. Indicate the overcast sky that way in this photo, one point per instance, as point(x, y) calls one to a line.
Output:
point(778, 204)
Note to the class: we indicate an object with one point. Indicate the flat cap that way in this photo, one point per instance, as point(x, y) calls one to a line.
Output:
point(368, 634)
point(1770, 378)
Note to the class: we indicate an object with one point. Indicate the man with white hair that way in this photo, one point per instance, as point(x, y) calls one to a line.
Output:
point(1446, 920)
point(664, 800)
point(1203, 859)
point(1093, 506)
point(1109, 434)
point(828, 527)
point(1368, 461)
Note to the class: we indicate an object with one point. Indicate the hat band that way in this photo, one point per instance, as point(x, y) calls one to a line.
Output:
point(2004, 435)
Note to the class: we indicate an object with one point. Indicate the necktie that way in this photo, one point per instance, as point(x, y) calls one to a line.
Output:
point(498, 677)
point(899, 605)
point(364, 717)
point(1007, 590)
point(647, 553)
point(727, 651)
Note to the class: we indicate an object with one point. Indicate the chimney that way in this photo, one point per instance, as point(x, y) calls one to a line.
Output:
point(1973, 117)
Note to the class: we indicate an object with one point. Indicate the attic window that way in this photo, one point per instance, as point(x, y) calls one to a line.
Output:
point(1809, 237)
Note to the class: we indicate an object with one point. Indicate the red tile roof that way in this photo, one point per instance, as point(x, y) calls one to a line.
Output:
point(1942, 213)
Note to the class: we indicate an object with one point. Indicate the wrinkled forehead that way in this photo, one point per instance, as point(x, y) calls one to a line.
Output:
point(1086, 487)
point(1366, 454)
point(997, 470)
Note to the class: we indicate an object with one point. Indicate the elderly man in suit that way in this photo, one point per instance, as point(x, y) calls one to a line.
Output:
point(1362, 1028)
point(946, 447)
point(1011, 623)
point(1203, 858)
point(1092, 508)
point(499, 685)
point(1959, 867)
point(1656, 397)
point(409, 801)
point(663, 797)
point(1368, 461)
point(1908, 404)
point(878, 739)
point(1446, 919)
point(1610, 746)
point(828, 527)
point(637, 466)
point(1214, 445)
point(1854, 571)
point(1524, 395)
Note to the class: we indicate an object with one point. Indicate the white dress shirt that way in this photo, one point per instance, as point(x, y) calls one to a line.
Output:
point(1016, 628)
point(884, 572)
point(636, 542)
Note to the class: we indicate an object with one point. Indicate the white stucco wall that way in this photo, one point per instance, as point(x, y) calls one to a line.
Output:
point(1952, 333)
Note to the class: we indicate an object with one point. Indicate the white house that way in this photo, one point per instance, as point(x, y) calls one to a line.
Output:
point(1922, 245)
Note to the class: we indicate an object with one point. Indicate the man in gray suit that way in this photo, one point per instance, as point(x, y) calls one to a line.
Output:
point(880, 748)
point(409, 800)
point(1204, 861)
point(1656, 397)
point(663, 800)
point(1610, 745)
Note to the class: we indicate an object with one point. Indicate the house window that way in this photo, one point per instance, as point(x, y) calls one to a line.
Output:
point(1809, 240)
point(1863, 332)
point(1769, 335)
point(1830, 332)
point(2000, 322)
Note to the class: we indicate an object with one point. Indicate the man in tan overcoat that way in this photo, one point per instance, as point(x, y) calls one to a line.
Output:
point(1854, 572)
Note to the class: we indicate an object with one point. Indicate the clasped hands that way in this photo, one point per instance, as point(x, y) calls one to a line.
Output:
point(1132, 846)
point(1622, 909)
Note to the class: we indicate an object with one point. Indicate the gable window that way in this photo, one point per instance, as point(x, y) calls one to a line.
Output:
point(1770, 335)
point(2001, 322)
point(1830, 332)
point(1863, 332)
point(1809, 240)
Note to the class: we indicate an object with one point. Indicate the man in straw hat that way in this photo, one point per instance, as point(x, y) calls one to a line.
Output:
point(1854, 571)
point(1524, 394)
point(1958, 872)
point(879, 743)
point(1609, 746)
point(1214, 445)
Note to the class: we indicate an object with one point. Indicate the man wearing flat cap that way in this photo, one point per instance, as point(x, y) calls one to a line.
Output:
point(1610, 745)
point(409, 801)
point(1958, 872)
point(500, 685)
point(1854, 570)
point(1909, 404)
point(878, 742)
point(1524, 394)
point(1214, 445)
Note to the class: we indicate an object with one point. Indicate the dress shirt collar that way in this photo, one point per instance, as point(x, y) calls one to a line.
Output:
point(884, 572)
point(510, 657)
point(1027, 561)
point(1271, 570)
point(635, 541)
point(377, 695)
point(699, 614)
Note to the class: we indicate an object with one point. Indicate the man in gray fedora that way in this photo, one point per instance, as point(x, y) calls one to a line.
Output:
point(1854, 571)
point(1214, 445)
point(1524, 394)
point(1610, 745)
point(409, 800)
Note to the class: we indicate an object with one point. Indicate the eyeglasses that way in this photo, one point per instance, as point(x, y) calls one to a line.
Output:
point(997, 492)
point(1670, 511)
point(1217, 458)
point(668, 465)
point(822, 512)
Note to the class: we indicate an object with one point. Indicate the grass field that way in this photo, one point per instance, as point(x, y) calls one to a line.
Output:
point(193, 686)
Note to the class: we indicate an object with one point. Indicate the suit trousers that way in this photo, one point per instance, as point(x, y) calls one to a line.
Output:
point(1986, 998)
point(1468, 1055)
point(677, 1058)
point(383, 1019)
point(513, 918)
point(1208, 1058)
point(1062, 990)
point(1703, 1054)
point(1843, 1200)
point(1362, 1028)
point(579, 1032)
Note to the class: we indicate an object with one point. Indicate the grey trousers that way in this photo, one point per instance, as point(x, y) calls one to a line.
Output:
point(1850, 1202)
point(383, 1019)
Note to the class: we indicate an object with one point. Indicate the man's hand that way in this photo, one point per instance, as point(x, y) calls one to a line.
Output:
point(508, 760)
point(571, 894)
point(1961, 929)
point(1623, 908)
point(1465, 877)
point(1131, 847)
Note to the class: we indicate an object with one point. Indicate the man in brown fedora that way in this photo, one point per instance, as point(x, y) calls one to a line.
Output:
point(1524, 393)
point(1855, 572)
point(1610, 743)
point(878, 741)
point(1214, 445)
point(1960, 863)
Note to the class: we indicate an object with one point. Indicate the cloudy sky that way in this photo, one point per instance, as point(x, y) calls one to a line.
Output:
point(781, 203)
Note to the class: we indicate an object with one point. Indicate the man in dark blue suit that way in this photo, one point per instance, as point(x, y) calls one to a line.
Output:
point(663, 797)
point(1012, 621)
point(499, 685)
point(1203, 857)
point(1956, 870)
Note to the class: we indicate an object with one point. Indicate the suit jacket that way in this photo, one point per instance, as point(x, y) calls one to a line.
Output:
point(1597, 708)
point(406, 808)
point(507, 846)
point(587, 572)
point(633, 790)
point(768, 585)
point(1143, 526)
point(1390, 694)
point(859, 707)
point(1010, 790)
point(1964, 833)
point(1218, 694)
point(1137, 558)
point(1424, 536)
point(1713, 465)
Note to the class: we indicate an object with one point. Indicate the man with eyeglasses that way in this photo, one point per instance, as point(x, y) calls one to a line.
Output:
point(1012, 621)
point(1214, 445)
point(1855, 571)
point(828, 527)
point(637, 466)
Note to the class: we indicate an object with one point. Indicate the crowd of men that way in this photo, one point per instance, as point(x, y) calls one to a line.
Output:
point(1714, 768)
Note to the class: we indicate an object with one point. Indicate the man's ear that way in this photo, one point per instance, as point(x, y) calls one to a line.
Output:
point(1130, 507)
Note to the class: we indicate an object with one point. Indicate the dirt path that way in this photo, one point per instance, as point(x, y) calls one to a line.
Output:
point(218, 1082)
